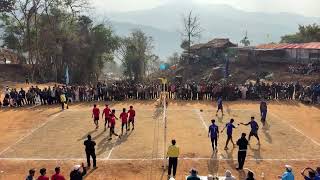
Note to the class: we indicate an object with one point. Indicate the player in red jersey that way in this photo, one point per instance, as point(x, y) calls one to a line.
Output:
point(112, 122)
point(124, 120)
point(96, 115)
point(106, 112)
point(132, 114)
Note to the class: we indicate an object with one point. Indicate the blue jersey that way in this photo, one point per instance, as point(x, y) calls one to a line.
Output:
point(229, 127)
point(254, 126)
point(213, 130)
point(219, 102)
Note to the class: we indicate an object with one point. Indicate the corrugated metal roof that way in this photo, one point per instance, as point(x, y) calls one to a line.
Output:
point(311, 45)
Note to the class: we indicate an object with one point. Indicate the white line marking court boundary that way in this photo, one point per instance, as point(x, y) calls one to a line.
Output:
point(153, 159)
point(156, 159)
point(30, 132)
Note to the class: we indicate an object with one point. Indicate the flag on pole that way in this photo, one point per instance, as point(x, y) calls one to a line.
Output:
point(67, 76)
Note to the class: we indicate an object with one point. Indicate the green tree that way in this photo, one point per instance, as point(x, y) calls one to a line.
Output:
point(135, 53)
point(308, 33)
point(51, 36)
point(245, 41)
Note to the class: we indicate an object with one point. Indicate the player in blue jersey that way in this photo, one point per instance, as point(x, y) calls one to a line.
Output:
point(220, 105)
point(254, 129)
point(229, 126)
point(214, 135)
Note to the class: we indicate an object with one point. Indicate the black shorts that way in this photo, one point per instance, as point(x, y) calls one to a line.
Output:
point(229, 136)
point(220, 107)
point(123, 124)
point(112, 128)
point(253, 134)
point(96, 118)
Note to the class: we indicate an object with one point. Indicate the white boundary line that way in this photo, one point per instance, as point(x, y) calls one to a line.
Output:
point(285, 122)
point(152, 159)
point(155, 159)
point(108, 157)
point(299, 131)
point(30, 133)
point(206, 127)
point(201, 118)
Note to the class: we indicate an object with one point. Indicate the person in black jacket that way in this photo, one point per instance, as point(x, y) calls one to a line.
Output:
point(90, 151)
point(242, 152)
point(76, 174)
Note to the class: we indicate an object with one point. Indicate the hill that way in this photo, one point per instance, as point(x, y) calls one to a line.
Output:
point(165, 42)
point(164, 22)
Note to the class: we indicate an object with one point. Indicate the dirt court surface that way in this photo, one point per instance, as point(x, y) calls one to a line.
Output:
point(44, 136)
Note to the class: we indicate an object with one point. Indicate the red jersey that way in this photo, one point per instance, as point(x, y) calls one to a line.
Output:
point(124, 117)
point(106, 112)
point(132, 113)
point(57, 177)
point(112, 120)
point(43, 178)
point(96, 112)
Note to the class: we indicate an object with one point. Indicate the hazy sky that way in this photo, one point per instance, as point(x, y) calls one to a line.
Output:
point(304, 7)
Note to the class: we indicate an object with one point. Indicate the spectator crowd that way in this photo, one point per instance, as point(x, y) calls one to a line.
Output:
point(305, 69)
point(123, 90)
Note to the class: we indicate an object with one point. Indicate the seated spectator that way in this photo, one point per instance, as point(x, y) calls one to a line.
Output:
point(193, 175)
point(228, 176)
point(5, 102)
point(250, 176)
point(43, 173)
point(76, 173)
point(57, 175)
point(311, 174)
point(287, 175)
point(31, 174)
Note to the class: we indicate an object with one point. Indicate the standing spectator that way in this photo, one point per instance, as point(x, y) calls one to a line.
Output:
point(31, 174)
point(228, 176)
point(173, 154)
point(287, 175)
point(242, 152)
point(214, 134)
point(243, 90)
point(90, 151)
point(63, 100)
point(193, 175)
point(27, 80)
point(43, 173)
point(76, 173)
point(57, 175)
